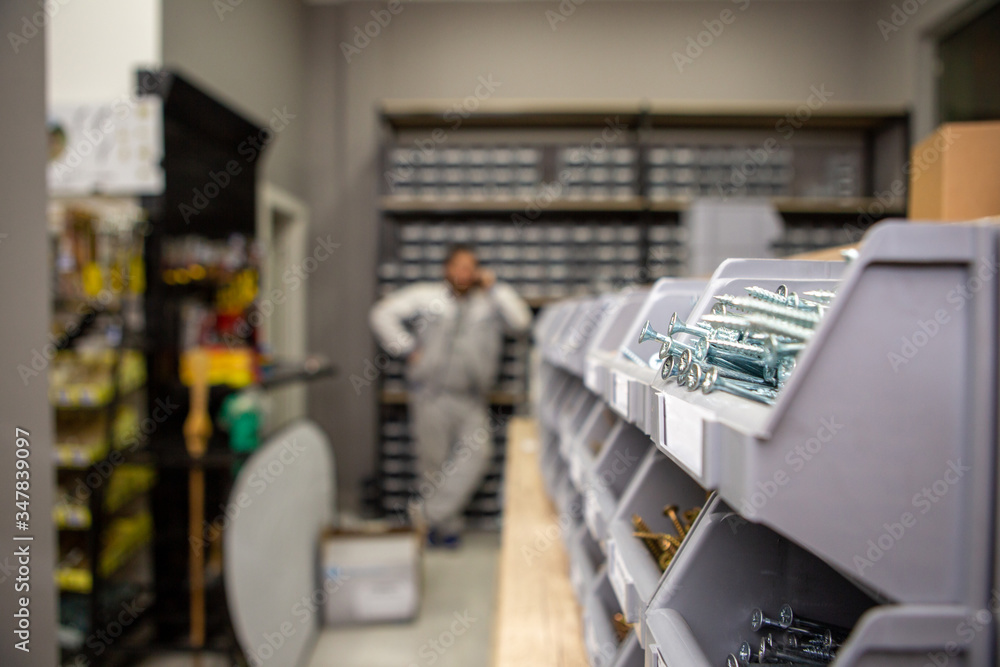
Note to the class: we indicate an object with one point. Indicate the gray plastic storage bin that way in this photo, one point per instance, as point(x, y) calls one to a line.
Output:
point(631, 569)
point(678, 430)
point(621, 457)
point(868, 492)
point(629, 652)
point(887, 429)
point(599, 636)
point(587, 444)
point(608, 337)
point(585, 558)
point(726, 568)
point(627, 385)
point(576, 337)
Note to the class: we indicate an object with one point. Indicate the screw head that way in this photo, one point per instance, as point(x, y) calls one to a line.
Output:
point(668, 367)
point(645, 334)
point(701, 348)
point(673, 323)
point(746, 653)
point(785, 616)
point(711, 377)
point(756, 620)
point(695, 376)
point(686, 360)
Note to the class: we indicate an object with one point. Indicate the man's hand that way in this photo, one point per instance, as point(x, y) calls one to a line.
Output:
point(486, 278)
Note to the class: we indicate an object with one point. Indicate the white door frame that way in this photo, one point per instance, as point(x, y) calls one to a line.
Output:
point(289, 402)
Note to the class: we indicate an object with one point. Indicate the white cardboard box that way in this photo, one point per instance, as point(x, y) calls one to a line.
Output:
point(372, 577)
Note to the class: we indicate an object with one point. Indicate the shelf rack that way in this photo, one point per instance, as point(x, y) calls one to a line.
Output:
point(865, 496)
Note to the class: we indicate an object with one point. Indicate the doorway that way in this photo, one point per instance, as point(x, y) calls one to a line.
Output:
point(282, 225)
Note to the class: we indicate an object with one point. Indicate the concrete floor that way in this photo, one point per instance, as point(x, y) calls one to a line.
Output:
point(454, 628)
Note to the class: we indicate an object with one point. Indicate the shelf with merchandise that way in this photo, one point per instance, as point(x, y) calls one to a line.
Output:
point(846, 479)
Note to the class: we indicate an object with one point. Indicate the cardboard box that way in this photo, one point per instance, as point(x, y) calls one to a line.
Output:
point(954, 173)
point(372, 576)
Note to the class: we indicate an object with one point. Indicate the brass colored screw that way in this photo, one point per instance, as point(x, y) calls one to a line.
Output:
point(622, 628)
point(690, 516)
point(673, 541)
point(671, 512)
point(651, 543)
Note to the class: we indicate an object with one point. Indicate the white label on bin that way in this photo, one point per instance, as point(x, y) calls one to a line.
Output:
point(576, 470)
point(590, 375)
point(619, 396)
point(685, 425)
point(662, 402)
point(592, 513)
point(619, 578)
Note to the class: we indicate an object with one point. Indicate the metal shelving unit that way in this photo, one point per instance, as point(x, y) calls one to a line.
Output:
point(865, 496)
point(97, 380)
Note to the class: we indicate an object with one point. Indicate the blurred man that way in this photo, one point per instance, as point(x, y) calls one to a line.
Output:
point(452, 358)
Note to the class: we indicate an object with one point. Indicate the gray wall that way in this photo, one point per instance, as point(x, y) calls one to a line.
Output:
point(250, 57)
point(899, 57)
point(771, 51)
point(276, 53)
point(24, 302)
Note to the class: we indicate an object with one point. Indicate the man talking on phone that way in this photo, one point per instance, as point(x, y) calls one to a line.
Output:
point(451, 333)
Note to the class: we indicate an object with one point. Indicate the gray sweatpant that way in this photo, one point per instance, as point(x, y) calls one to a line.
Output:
point(454, 447)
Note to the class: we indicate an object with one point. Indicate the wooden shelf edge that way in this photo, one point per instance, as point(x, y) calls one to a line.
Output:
point(816, 205)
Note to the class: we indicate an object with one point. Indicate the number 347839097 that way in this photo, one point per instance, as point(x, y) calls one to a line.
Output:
point(22, 475)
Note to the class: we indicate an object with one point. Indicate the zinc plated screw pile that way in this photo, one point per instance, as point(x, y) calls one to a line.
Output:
point(805, 642)
point(746, 346)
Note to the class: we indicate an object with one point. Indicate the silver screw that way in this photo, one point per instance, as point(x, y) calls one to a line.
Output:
point(795, 315)
point(805, 625)
point(707, 349)
point(769, 654)
point(649, 333)
point(735, 374)
point(758, 621)
point(632, 356)
point(677, 326)
point(694, 377)
point(669, 367)
point(713, 381)
point(824, 296)
point(778, 326)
